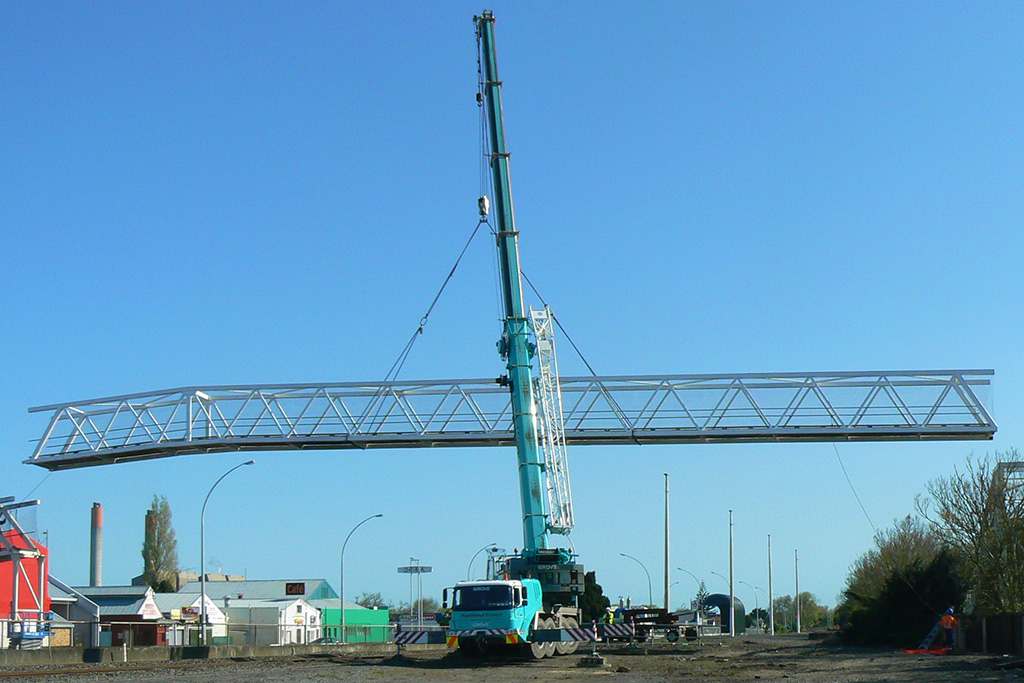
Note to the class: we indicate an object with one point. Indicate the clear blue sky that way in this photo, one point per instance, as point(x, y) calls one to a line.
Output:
point(217, 193)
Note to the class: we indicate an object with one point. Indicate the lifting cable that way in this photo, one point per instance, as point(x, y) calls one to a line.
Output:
point(377, 402)
point(876, 535)
point(559, 323)
point(404, 355)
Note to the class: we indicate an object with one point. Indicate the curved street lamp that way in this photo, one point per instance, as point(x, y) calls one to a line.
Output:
point(469, 569)
point(341, 587)
point(650, 592)
point(757, 610)
point(699, 584)
point(202, 552)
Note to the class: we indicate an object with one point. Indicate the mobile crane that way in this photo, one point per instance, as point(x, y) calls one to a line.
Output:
point(534, 603)
point(540, 585)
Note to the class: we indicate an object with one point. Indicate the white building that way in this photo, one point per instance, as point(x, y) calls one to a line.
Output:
point(182, 612)
point(285, 621)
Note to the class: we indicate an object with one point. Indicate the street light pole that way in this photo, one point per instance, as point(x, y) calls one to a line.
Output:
point(341, 580)
point(469, 569)
point(721, 577)
point(202, 552)
point(757, 609)
point(650, 591)
point(700, 603)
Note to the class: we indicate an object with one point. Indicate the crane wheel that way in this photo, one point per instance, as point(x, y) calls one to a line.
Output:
point(549, 647)
point(571, 646)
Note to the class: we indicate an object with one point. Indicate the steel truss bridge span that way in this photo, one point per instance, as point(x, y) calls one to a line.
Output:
point(671, 409)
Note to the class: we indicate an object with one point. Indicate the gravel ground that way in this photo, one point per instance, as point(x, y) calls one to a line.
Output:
point(794, 659)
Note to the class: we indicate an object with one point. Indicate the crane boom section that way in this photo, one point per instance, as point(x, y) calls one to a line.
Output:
point(514, 344)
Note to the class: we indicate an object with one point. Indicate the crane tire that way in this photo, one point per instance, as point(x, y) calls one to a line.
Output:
point(571, 646)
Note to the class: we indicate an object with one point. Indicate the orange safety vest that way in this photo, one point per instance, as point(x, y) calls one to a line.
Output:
point(948, 621)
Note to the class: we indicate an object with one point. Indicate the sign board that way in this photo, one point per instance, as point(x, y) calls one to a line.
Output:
point(295, 588)
point(415, 569)
point(189, 612)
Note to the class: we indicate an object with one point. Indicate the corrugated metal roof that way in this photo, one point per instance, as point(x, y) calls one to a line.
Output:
point(98, 591)
point(264, 589)
point(168, 601)
point(255, 604)
point(117, 600)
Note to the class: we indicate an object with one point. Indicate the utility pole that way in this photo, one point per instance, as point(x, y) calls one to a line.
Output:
point(732, 591)
point(771, 596)
point(796, 599)
point(668, 601)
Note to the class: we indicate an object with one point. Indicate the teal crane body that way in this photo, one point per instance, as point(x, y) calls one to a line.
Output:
point(514, 345)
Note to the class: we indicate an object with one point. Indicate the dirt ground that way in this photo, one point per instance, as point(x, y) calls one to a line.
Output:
point(794, 659)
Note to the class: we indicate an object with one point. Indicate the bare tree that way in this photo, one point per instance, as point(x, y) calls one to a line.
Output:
point(160, 548)
point(372, 601)
point(979, 514)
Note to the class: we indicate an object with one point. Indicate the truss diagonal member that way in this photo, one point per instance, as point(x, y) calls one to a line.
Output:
point(667, 389)
point(794, 404)
point(731, 393)
point(938, 403)
point(837, 420)
point(415, 423)
point(865, 405)
point(970, 399)
point(79, 422)
point(614, 406)
point(41, 444)
point(353, 423)
point(208, 407)
point(486, 424)
point(266, 409)
point(302, 414)
point(138, 423)
point(897, 400)
point(110, 424)
point(753, 403)
point(317, 420)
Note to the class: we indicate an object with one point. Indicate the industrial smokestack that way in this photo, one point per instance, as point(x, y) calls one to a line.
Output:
point(96, 548)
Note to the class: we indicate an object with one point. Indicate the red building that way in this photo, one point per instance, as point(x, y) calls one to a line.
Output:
point(24, 581)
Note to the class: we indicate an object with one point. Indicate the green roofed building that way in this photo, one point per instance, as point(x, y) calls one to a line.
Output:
point(362, 625)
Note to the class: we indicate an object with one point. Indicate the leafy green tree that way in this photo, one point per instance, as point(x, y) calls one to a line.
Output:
point(160, 548)
point(908, 543)
point(907, 607)
point(812, 615)
point(755, 614)
point(702, 595)
point(593, 603)
point(785, 614)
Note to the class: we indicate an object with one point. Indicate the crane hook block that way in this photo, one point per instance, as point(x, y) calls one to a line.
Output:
point(484, 204)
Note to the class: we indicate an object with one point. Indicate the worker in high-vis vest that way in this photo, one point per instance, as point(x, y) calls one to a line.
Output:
point(949, 624)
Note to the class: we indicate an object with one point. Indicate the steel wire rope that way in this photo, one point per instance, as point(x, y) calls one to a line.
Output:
point(376, 402)
point(891, 570)
point(616, 408)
